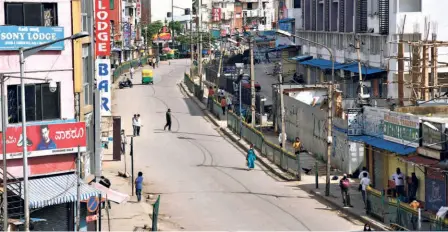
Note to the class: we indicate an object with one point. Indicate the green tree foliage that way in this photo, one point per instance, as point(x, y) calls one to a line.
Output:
point(185, 39)
point(177, 26)
point(152, 29)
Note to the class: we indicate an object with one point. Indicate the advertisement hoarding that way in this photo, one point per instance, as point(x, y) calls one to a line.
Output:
point(43, 140)
point(373, 121)
point(354, 120)
point(102, 28)
point(103, 77)
point(139, 9)
point(402, 128)
point(434, 139)
point(216, 14)
point(14, 37)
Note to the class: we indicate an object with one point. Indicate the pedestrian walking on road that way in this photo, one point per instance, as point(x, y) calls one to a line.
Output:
point(132, 72)
point(361, 174)
point(280, 139)
point(365, 181)
point(211, 94)
point(139, 124)
point(123, 142)
point(157, 61)
point(154, 62)
point(223, 105)
point(168, 120)
point(139, 186)
point(344, 184)
point(297, 145)
point(134, 124)
point(229, 102)
point(251, 157)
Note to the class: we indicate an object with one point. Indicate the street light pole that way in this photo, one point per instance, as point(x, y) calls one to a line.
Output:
point(23, 54)
point(252, 80)
point(5, 167)
point(172, 21)
point(330, 105)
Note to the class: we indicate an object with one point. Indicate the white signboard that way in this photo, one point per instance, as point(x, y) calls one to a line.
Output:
point(402, 128)
point(354, 119)
point(103, 78)
point(373, 121)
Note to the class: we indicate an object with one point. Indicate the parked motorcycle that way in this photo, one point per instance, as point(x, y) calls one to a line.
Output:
point(125, 84)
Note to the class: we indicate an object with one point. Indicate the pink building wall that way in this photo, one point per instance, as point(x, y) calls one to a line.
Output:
point(46, 60)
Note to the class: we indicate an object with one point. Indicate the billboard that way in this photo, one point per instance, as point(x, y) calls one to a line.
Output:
point(435, 139)
point(103, 77)
point(102, 28)
point(15, 37)
point(139, 9)
point(127, 34)
point(373, 121)
point(402, 128)
point(354, 120)
point(43, 140)
point(216, 14)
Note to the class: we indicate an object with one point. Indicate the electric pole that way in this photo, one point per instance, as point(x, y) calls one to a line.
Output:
point(329, 136)
point(200, 44)
point(282, 106)
point(358, 51)
point(191, 45)
point(252, 80)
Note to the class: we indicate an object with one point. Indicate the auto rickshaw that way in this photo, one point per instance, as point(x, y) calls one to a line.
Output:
point(147, 77)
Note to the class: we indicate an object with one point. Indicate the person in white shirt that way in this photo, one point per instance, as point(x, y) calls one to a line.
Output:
point(280, 139)
point(398, 178)
point(132, 72)
point(134, 124)
point(365, 181)
point(139, 124)
point(361, 174)
point(123, 142)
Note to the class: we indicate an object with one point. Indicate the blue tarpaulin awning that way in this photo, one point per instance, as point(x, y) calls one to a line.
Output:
point(321, 63)
point(287, 20)
point(353, 67)
point(301, 58)
point(384, 144)
point(281, 47)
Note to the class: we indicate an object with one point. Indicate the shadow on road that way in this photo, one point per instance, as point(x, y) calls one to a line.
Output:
point(158, 131)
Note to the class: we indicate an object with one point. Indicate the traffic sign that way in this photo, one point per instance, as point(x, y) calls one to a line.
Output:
point(92, 204)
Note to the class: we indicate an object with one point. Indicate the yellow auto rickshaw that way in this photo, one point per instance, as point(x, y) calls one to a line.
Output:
point(147, 77)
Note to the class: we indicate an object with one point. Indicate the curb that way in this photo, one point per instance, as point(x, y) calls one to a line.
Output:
point(374, 224)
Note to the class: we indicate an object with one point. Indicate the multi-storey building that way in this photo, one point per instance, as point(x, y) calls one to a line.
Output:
point(371, 27)
point(58, 107)
point(258, 13)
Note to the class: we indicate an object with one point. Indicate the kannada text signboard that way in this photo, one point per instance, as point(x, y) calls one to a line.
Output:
point(43, 140)
point(103, 77)
point(15, 37)
point(402, 128)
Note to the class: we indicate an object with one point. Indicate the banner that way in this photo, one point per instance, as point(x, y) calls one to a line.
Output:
point(216, 14)
point(103, 77)
point(15, 37)
point(102, 28)
point(43, 140)
point(139, 9)
point(373, 120)
point(402, 128)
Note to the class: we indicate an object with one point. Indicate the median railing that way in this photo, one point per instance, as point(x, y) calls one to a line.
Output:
point(399, 214)
point(125, 66)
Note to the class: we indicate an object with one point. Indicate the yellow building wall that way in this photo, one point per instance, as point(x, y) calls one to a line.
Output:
point(77, 46)
point(407, 169)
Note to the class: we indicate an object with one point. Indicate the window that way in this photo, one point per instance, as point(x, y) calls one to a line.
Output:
point(86, 70)
point(84, 19)
point(297, 3)
point(410, 6)
point(31, 14)
point(249, 5)
point(40, 102)
point(112, 5)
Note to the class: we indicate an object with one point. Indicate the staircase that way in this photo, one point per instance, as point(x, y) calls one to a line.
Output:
point(383, 14)
point(14, 192)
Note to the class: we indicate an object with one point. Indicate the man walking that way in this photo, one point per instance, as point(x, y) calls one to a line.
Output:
point(168, 120)
point(139, 124)
point(134, 124)
point(131, 71)
point(123, 142)
point(344, 184)
point(365, 181)
point(139, 186)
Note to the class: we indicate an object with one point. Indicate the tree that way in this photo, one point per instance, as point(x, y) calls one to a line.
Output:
point(185, 39)
point(152, 29)
point(177, 26)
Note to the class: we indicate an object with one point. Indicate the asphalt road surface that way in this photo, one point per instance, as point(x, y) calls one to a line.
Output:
point(201, 177)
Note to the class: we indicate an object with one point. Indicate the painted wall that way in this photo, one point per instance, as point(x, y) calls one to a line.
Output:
point(47, 60)
point(347, 156)
point(115, 15)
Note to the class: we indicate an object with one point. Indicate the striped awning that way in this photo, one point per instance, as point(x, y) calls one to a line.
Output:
point(54, 190)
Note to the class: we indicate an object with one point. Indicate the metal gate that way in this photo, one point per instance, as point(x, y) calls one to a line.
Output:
point(57, 217)
point(378, 164)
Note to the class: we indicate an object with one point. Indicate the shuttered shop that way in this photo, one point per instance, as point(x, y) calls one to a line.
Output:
point(378, 167)
point(435, 188)
point(57, 218)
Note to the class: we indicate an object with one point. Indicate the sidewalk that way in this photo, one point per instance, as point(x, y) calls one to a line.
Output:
point(308, 182)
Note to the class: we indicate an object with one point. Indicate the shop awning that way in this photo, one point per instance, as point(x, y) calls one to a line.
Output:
point(420, 160)
point(301, 58)
point(280, 47)
point(54, 190)
point(353, 67)
point(287, 20)
point(111, 195)
point(321, 63)
point(384, 144)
